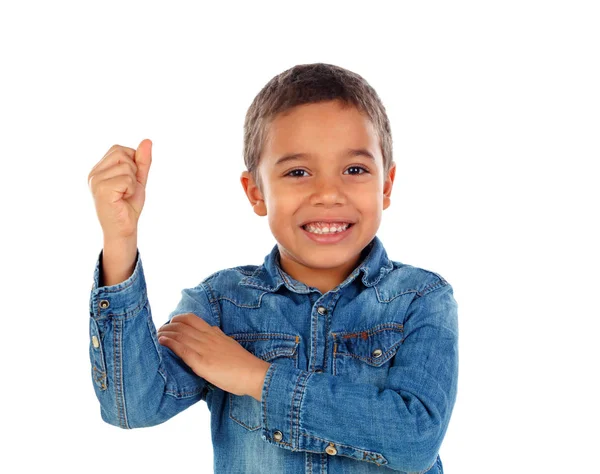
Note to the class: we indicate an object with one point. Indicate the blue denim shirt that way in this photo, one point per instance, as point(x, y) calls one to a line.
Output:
point(363, 378)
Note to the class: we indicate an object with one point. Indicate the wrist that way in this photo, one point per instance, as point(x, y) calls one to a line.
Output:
point(258, 380)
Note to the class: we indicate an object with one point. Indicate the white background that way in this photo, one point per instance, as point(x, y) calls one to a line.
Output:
point(495, 114)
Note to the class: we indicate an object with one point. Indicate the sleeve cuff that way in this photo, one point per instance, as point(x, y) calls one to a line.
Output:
point(122, 299)
point(281, 401)
point(283, 404)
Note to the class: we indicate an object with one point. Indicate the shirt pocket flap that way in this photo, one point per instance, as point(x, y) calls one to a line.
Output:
point(374, 346)
point(268, 346)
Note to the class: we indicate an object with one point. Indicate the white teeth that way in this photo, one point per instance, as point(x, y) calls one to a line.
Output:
point(331, 229)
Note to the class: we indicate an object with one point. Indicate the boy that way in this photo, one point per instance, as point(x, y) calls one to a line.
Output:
point(328, 357)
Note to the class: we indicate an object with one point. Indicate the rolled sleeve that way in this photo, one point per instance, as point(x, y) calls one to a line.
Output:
point(128, 296)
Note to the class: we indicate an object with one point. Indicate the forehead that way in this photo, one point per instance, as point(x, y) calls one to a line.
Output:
point(323, 129)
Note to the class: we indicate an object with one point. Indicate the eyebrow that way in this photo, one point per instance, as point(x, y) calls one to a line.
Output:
point(350, 152)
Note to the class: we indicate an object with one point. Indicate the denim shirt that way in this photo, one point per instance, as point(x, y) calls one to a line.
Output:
point(363, 378)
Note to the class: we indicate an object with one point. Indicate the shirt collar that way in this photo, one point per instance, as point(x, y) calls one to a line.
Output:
point(270, 276)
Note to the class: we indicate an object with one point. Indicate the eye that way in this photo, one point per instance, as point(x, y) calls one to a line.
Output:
point(358, 168)
point(289, 173)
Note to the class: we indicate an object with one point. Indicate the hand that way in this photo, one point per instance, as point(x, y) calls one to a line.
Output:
point(118, 185)
point(213, 355)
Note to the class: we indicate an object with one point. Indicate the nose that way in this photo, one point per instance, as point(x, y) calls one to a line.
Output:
point(327, 192)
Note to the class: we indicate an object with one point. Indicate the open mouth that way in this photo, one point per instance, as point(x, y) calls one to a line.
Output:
point(331, 229)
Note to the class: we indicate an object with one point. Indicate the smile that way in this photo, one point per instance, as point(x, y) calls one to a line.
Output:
point(329, 236)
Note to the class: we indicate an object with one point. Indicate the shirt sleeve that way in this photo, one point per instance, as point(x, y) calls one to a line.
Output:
point(138, 381)
point(402, 426)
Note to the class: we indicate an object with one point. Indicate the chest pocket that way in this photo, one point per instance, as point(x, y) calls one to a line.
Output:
point(366, 355)
point(246, 410)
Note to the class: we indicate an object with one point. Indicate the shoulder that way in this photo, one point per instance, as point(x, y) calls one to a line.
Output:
point(404, 279)
point(229, 284)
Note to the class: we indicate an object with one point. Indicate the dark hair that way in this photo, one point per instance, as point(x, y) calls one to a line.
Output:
point(305, 84)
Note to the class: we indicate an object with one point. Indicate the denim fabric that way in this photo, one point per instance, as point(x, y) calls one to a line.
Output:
point(363, 378)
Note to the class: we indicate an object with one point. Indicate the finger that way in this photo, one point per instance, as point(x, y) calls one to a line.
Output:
point(123, 169)
point(112, 160)
point(121, 150)
point(189, 356)
point(193, 320)
point(143, 160)
point(184, 329)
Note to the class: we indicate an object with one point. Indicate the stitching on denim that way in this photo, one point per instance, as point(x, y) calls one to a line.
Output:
point(363, 451)
point(292, 408)
point(383, 271)
point(240, 305)
point(255, 284)
point(128, 314)
point(396, 327)
point(272, 368)
point(231, 404)
point(386, 356)
point(107, 289)
point(306, 376)
point(263, 336)
point(431, 287)
point(118, 373)
point(313, 342)
point(382, 300)
point(212, 302)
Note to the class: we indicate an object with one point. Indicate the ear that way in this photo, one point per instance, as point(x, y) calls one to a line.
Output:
point(253, 193)
point(387, 185)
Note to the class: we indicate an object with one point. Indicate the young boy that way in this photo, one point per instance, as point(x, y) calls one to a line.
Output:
point(328, 357)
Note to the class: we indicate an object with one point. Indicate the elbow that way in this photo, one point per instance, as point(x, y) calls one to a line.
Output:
point(120, 420)
point(420, 446)
point(424, 453)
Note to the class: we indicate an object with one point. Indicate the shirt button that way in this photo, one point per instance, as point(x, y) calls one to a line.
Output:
point(331, 449)
point(322, 310)
point(278, 436)
point(104, 304)
point(377, 353)
point(95, 342)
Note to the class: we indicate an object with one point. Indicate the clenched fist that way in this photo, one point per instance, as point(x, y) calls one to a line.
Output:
point(118, 185)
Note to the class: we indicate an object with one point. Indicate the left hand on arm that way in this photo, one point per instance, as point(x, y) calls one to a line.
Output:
point(214, 356)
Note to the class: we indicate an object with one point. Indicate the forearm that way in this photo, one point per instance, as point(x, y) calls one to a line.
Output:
point(118, 260)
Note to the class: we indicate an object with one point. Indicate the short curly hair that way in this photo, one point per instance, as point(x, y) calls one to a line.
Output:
point(305, 84)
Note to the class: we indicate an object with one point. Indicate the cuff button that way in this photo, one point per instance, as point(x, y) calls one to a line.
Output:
point(104, 304)
point(278, 436)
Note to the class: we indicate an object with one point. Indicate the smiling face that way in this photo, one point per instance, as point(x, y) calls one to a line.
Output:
point(321, 163)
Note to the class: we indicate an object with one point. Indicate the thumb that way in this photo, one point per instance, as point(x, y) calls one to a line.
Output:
point(143, 160)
